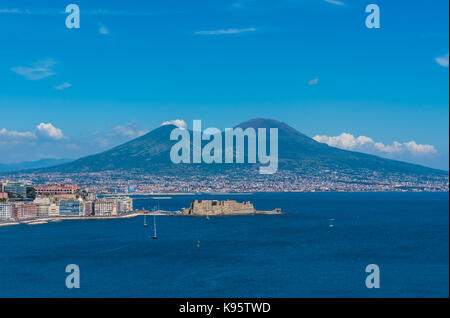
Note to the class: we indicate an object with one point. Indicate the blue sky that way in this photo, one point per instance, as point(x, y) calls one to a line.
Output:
point(312, 64)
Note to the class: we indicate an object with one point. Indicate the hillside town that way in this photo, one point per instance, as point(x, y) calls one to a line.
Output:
point(22, 201)
point(105, 194)
point(239, 180)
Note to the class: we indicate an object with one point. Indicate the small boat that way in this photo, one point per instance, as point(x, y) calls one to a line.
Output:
point(207, 216)
point(154, 228)
point(198, 244)
point(145, 219)
point(331, 225)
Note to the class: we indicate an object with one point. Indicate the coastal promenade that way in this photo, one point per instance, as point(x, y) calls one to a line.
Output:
point(37, 221)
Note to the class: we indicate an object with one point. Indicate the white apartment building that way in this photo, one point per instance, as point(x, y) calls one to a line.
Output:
point(105, 207)
point(124, 205)
point(53, 210)
point(5, 211)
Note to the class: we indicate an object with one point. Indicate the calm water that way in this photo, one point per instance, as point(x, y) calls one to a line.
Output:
point(294, 255)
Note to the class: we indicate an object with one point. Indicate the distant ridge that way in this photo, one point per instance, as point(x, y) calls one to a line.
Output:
point(42, 163)
point(151, 153)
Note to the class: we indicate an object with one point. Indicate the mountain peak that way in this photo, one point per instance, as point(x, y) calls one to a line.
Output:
point(270, 123)
point(263, 123)
point(297, 152)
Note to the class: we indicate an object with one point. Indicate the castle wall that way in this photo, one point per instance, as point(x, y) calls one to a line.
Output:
point(214, 207)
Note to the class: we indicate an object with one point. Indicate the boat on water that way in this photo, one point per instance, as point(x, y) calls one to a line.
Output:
point(37, 223)
point(145, 219)
point(331, 225)
point(154, 236)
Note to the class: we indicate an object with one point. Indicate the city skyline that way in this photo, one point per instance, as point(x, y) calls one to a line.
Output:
point(311, 64)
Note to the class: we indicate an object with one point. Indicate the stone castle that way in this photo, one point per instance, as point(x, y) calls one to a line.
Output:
point(214, 207)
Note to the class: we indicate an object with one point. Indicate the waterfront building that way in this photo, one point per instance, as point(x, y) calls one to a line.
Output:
point(5, 211)
point(57, 189)
point(53, 210)
point(42, 210)
point(3, 195)
point(124, 205)
point(42, 206)
point(16, 189)
point(71, 207)
point(105, 207)
point(22, 210)
point(88, 208)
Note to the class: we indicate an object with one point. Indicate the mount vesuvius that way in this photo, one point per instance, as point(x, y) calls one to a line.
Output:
point(150, 153)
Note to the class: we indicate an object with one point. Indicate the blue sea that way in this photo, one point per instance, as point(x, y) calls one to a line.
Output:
point(293, 255)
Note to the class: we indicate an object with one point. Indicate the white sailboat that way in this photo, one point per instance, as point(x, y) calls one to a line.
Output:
point(154, 228)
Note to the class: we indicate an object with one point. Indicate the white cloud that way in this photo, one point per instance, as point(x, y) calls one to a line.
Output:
point(102, 29)
point(338, 3)
point(17, 11)
point(368, 145)
point(63, 86)
point(129, 130)
point(102, 142)
point(314, 81)
point(225, 31)
point(12, 134)
point(418, 149)
point(442, 60)
point(37, 71)
point(48, 131)
point(177, 122)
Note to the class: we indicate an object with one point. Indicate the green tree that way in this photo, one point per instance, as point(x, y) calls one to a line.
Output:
point(31, 192)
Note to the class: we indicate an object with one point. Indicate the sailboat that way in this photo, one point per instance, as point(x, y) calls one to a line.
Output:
point(154, 228)
point(207, 217)
point(331, 223)
point(145, 219)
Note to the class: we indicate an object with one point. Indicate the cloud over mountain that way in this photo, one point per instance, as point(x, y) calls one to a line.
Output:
point(368, 145)
point(177, 122)
point(130, 130)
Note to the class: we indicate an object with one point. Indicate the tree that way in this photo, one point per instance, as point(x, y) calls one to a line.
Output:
point(31, 192)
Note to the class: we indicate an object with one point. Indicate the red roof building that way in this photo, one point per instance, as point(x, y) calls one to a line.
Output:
point(56, 189)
